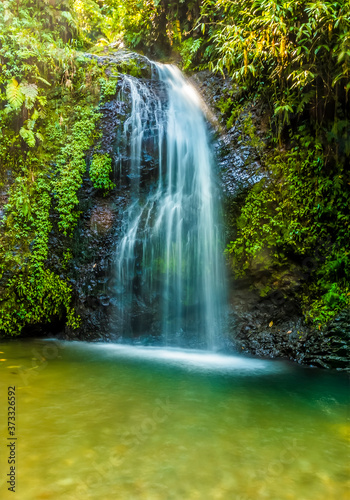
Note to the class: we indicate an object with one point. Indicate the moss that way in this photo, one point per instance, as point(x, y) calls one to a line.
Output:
point(100, 169)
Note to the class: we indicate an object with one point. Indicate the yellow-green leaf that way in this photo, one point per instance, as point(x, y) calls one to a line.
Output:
point(14, 94)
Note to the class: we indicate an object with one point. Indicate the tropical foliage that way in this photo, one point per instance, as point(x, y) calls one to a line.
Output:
point(48, 103)
point(291, 55)
point(295, 57)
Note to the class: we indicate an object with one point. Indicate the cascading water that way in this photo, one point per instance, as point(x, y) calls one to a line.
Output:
point(169, 256)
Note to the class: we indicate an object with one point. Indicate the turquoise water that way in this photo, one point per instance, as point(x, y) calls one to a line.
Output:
point(104, 421)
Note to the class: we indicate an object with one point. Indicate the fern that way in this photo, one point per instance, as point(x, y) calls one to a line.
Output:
point(14, 94)
point(28, 136)
point(42, 80)
point(32, 120)
point(30, 91)
point(70, 19)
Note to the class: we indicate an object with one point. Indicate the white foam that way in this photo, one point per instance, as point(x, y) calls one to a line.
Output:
point(187, 358)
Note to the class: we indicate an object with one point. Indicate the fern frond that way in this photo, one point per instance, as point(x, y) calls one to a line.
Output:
point(14, 94)
point(30, 90)
point(28, 136)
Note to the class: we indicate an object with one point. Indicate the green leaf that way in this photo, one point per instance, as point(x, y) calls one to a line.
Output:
point(39, 136)
point(28, 136)
point(30, 90)
point(43, 80)
point(14, 94)
point(35, 115)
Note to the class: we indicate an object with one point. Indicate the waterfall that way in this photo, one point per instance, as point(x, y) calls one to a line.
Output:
point(169, 262)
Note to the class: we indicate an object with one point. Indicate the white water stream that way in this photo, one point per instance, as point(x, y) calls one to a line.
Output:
point(170, 252)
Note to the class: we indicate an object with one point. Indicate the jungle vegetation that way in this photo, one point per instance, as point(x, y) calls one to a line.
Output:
point(294, 56)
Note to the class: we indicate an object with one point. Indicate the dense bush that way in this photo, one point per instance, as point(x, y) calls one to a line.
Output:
point(48, 111)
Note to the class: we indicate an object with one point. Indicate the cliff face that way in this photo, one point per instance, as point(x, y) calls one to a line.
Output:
point(264, 320)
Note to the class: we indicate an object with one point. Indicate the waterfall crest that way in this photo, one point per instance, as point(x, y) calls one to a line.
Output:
point(169, 255)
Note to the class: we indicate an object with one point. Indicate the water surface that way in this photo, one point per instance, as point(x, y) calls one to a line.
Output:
point(104, 421)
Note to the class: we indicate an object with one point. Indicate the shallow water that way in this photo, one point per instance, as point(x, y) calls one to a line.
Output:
point(104, 421)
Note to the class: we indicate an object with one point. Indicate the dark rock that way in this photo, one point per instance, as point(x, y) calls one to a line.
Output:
point(124, 61)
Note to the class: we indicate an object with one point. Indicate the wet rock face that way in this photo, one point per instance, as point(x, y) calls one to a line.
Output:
point(238, 161)
point(89, 271)
point(124, 61)
point(3, 201)
point(274, 326)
